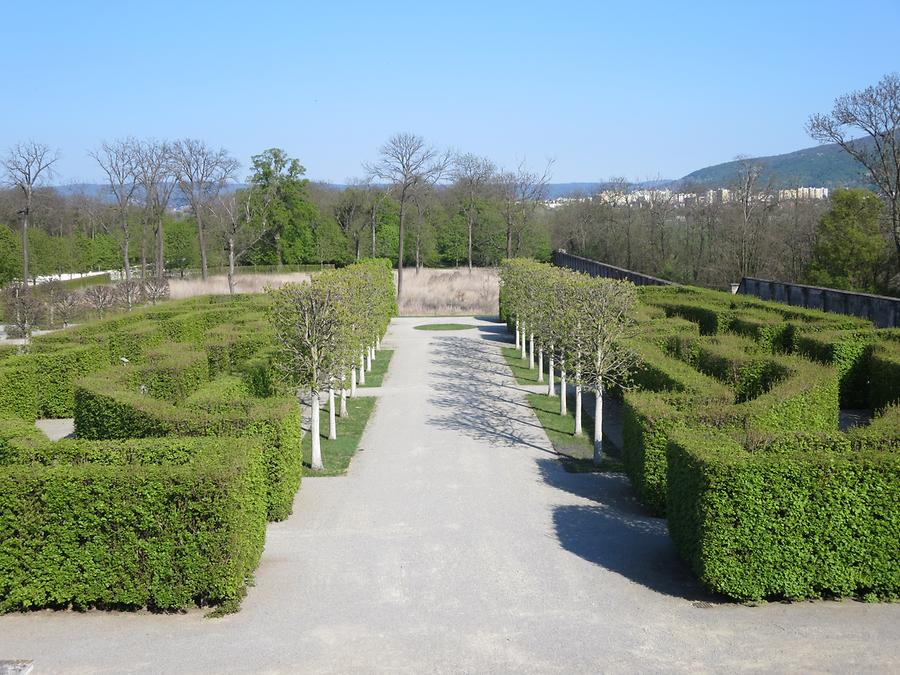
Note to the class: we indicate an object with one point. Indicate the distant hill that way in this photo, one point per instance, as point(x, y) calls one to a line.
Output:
point(820, 166)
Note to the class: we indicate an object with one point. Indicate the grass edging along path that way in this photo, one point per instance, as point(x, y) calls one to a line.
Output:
point(336, 454)
point(575, 452)
point(444, 326)
point(380, 365)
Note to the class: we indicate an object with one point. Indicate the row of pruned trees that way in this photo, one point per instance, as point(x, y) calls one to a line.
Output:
point(52, 305)
point(579, 324)
point(328, 331)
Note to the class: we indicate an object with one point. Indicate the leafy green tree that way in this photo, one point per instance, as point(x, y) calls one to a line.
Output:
point(849, 245)
point(9, 255)
point(182, 248)
point(331, 244)
point(452, 240)
point(280, 199)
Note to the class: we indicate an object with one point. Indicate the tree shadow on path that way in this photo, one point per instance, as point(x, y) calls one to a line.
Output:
point(615, 533)
point(470, 396)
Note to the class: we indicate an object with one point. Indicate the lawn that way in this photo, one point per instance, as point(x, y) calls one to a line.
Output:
point(379, 368)
point(576, 452)
point(444, 326)
point(336, 454)
point(519, 366)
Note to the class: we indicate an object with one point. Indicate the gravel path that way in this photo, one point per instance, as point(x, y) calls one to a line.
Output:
point(456, 543)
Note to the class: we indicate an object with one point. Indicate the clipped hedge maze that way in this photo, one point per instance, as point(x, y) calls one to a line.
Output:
point(731, 431)
point(185, 449)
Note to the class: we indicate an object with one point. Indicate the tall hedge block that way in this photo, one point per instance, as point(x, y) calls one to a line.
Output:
point(647, 421)
point(107, 407)
point(157, 535)
point(774, 524)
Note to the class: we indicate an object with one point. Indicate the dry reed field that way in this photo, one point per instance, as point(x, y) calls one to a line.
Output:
point(429, 292)
point(442, 292)
point(218, 285)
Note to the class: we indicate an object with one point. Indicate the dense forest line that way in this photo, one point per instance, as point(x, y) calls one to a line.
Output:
point(837, 242)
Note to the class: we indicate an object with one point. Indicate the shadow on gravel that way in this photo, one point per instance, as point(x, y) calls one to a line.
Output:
point(615, 533)
point(496, 334)
point(472, 403)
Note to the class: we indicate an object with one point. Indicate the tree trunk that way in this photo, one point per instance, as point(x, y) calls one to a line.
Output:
point(160, 255)
point(517, 333)
point(400, 252)
point(551, 386)
point(25, 242)
point(201, 235)
point(143, 253)
point(540, 364)
point(353, 382)
point(524, 342)
point(598, 424)
point(125, 244)
point(343, 394)
point(531, 354)
point(231, 265)
point(362, 368)
point(563, 394)
point(316, 442)
point(577, 403)
point(332, 422)
point(470, 245)
point(368, 359)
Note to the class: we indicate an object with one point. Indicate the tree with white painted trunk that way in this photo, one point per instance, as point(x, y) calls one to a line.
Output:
point(605, 323)
point(308, 333)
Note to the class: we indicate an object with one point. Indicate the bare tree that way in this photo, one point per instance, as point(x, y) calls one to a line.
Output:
point(156, 173)
point(406, 162)
point(100, 297)
point(472, 175)
point(754, 201)
point(202, 173)
point(65, 306)
point(24, 309)
point(156, 289)
point(875, 111)
point(521, 191)
point(234, 213)
point(129, 293)
point(27, 165)
point(117, 159)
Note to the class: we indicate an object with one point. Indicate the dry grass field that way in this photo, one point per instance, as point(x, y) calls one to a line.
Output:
point(218, 285)
point(442, 292)
point(430, 292)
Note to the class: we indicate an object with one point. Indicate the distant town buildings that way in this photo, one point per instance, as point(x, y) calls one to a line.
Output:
point(648, 197)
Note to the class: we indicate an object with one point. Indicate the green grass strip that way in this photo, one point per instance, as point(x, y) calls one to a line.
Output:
point(336, 454)
point(380, 366)
point(444, 326)
point(519, 366)
point(576, 452)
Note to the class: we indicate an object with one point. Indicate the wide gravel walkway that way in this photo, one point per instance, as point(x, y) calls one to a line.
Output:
point(457, 543)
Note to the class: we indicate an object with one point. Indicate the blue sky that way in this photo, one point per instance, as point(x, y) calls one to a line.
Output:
point(640, 89)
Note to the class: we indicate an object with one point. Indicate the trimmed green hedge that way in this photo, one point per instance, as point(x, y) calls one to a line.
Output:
point(170, 373)
point(884, 374)
point(647, 420)
point(161, 524)
point(107, 407)
point(812, 522)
